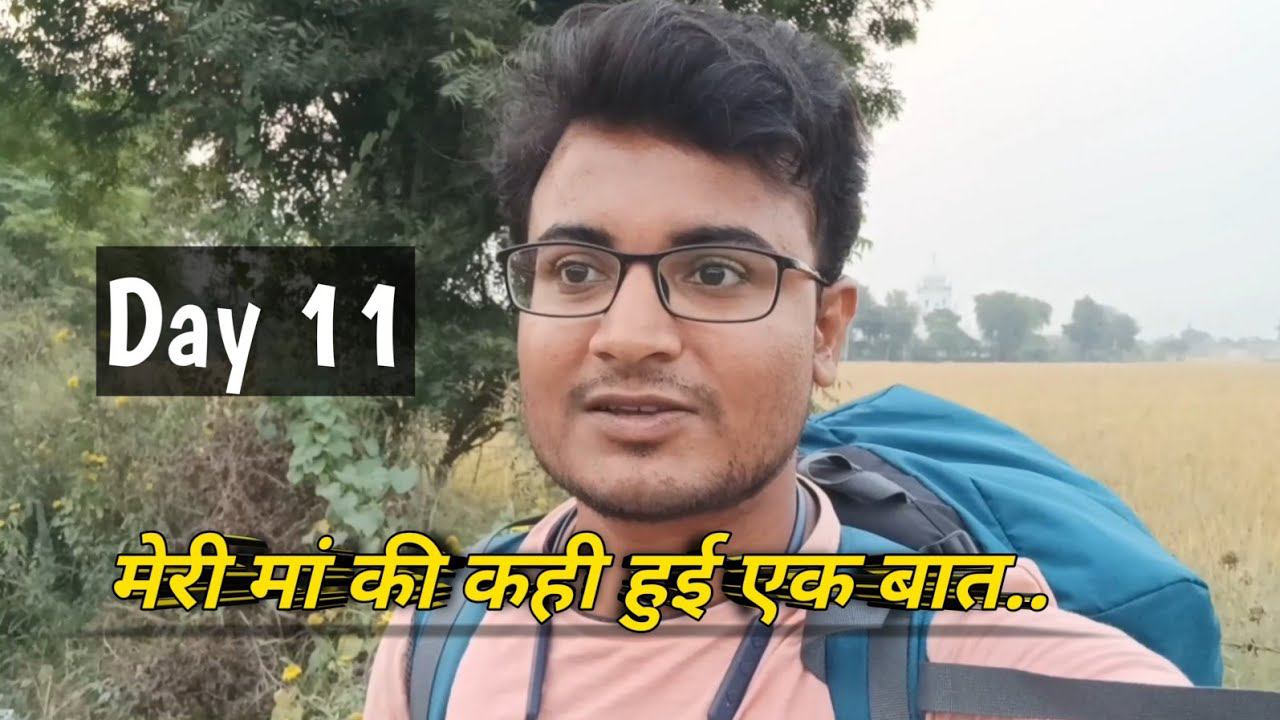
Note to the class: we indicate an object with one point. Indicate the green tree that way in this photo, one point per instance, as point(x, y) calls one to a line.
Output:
point(1122, 334)
point(945, 339)
point(1099, 332)
point(1088, 328)
point(1009, 322)
point(1196, 342)
point(882, 331)
point(900, 319)
point(313, 121)
point(1168, 349)
point(52, 217)
point(345, 122)
point(867, 336)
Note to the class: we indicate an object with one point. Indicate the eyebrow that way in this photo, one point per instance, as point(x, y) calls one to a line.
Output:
point(721, 235)
point(578, 233)
point(701, 235)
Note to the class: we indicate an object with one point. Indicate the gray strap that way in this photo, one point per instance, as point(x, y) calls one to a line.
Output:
point(430, 648)
point(835, 619)
point(1000, 692)
point(887, 669)
point(872, 494)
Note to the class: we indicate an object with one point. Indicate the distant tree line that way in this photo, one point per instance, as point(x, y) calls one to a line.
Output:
point(1016, 328)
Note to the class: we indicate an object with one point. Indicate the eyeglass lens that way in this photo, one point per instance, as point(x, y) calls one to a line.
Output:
point(718, 284)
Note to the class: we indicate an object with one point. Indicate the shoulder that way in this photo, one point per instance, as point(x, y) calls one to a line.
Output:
point(387, 695)
point(1052, 641)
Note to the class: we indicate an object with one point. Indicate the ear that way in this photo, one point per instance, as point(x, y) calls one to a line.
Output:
point(836, 308)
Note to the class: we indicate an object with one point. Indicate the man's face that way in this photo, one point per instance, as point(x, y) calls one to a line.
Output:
point(644, 416)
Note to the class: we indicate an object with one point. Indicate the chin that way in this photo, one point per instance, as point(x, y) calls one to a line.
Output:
point(625, 475)
point(625, 470)
point(658, 491)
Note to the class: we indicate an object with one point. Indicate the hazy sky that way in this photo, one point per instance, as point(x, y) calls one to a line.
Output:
point(1126, 149)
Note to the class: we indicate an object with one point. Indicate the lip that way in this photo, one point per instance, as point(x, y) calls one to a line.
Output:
point(663, 403)
point(645, 428)
point(667, 416)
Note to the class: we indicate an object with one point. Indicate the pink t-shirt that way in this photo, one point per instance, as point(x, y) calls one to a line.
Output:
point(597, 668)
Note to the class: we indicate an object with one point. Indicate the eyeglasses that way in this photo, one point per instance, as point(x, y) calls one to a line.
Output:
point(706, 283)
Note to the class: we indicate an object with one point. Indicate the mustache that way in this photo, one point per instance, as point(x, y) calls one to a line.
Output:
point(699, 395)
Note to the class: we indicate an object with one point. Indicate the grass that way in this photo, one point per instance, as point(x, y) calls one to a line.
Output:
point(1193, 447)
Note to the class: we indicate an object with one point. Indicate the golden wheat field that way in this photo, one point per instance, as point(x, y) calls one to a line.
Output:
point(1193, 447)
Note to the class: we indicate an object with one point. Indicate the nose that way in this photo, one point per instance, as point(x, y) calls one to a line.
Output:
point(637, 327)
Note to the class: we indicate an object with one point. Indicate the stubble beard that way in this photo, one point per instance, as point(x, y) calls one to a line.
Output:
point(652, 498)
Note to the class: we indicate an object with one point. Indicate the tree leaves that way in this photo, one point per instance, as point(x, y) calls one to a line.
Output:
point(1010, 322)
point(354, 123)
point(366, 147)
point(366, 520)
point(355, 482)
point(287, 705)
point(403, 480)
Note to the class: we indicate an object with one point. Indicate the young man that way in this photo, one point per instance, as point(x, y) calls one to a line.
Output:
point(666, 393)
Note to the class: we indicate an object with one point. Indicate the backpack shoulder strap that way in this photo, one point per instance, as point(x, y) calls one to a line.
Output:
point(875, 664)
point(865, 654)
point(432, 631)
point(1002, 692)
point(895, 664)
point(427, 649)
point(874, 495)
point(867, 657)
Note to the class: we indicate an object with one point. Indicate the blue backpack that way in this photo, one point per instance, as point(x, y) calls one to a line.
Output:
point(910, 472)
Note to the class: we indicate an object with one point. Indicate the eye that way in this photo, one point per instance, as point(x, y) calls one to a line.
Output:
point(576, 272)
point(718, 272)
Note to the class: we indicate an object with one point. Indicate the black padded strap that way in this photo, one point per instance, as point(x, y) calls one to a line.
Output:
point(1001, 692)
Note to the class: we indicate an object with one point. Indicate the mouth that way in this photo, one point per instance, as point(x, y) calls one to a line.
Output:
point(636, 404)
point(623, 409)
point(627, 418)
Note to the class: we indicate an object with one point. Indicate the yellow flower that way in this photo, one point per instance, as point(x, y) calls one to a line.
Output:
point(73, 382)
point(57, 504)
point(315, 619)
point(2, 524)
point(291, 672)
point(383, 620)
point(453, 545)
point(121, 401)
point(93, 458)
point(62, 335)
point(91, 477)
point(15, 507)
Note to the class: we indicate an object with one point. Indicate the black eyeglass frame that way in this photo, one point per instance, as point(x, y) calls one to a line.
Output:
point(626, 260)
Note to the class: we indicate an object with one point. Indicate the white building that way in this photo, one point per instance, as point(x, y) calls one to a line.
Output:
point(933, 292)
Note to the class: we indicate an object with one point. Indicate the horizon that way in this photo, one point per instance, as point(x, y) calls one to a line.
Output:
point(1125, 160)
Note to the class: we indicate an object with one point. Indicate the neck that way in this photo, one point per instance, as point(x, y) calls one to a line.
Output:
point(762, 524)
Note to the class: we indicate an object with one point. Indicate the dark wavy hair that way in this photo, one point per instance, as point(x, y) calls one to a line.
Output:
point(730, 84)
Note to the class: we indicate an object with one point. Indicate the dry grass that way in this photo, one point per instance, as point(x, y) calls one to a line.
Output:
point(1194, 448)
